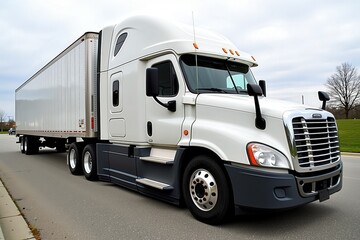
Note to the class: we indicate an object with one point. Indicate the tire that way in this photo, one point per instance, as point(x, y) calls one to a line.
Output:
point(26, 145)
point(74, 157)
point(31, 145)
point(89, 162)
point(206, 191)
point(22, 148)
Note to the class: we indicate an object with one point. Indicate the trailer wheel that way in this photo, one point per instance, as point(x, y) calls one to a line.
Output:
point(31, 145)
point(26, 145)
point(74, 158)
point(206, 191)
point(22, 148)
point(89, 162)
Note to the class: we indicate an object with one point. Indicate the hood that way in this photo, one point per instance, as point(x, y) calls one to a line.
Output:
point(269, 107)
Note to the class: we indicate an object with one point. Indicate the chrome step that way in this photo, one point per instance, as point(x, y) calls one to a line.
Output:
point(160, 160)
point(154, 184)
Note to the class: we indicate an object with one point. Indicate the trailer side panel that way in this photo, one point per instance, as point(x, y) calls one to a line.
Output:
point(60, 99)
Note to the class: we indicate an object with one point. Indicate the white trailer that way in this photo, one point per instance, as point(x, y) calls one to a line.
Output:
point(59, 100)
point(179, 120)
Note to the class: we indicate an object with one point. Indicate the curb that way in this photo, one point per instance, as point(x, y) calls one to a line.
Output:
point(1, 234)
point(12, 223)
point(350, 154)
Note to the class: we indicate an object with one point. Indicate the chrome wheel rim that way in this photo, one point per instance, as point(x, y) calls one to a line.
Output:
point(203, 189)
point(22, 145)
point(87, 162)
point(25, 144)
point(72, 158)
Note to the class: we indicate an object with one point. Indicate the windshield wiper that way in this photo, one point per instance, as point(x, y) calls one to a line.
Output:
point(212, 89)
point(232, 80)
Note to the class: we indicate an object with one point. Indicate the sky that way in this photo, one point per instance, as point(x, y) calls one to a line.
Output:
point(298, 44)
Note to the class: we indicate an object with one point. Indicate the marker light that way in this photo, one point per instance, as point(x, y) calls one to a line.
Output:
point(265, 156)
point(237, 53)
point(253, 58)
point(224, 49)
point(231, 51)
point(92, 123)
point(195, 45)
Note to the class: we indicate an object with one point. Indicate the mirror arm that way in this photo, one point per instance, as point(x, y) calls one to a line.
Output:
point(256, 91)
point(170, 105)
point(260, 122)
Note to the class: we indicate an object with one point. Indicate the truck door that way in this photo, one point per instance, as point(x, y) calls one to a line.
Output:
point(163, 126)
point(116, 119)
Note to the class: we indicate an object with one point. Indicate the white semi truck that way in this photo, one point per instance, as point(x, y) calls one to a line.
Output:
point(142, 105)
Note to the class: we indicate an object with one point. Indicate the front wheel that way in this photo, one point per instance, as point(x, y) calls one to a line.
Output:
point(206, 191)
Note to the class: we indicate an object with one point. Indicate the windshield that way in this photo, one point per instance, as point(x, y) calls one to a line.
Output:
point(215, 75)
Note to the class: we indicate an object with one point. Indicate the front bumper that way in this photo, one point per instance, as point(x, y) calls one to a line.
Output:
point(275, 191)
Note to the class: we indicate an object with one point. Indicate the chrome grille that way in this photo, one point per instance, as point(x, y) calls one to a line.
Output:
point(316, 141)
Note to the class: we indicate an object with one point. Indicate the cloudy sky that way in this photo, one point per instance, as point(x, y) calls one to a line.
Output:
point(298, 44)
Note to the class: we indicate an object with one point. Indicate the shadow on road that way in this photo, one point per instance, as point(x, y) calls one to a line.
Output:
point(278, 223)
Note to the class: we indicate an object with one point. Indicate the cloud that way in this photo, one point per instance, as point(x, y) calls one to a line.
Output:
point(298, 44)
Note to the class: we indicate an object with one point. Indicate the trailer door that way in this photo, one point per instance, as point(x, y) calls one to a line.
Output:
point(163, 126)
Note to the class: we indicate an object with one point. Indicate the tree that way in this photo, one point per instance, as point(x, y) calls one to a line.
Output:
point(344, 87)
point(11, 123)
point(2, 118)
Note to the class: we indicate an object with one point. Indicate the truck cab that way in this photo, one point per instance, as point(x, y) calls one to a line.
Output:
point(184, 105)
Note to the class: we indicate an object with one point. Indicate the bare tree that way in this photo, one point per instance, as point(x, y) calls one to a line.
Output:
point(344, 87)
point(2, 118)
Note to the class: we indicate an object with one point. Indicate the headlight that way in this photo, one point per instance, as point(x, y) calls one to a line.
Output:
point(262, 155)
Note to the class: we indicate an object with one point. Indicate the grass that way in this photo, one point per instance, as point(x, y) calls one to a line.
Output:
point(349, 133)
point(4, 132)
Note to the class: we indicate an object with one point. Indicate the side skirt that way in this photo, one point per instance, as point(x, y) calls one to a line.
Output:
point(134, 168)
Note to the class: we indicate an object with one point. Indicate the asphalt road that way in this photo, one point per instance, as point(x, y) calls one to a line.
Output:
point(63, 206)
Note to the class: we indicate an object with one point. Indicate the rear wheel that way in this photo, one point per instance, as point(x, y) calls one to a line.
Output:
point(74, 158)
point(31, 145)
point(206, 191)
point(89, 162)
point(21, 140)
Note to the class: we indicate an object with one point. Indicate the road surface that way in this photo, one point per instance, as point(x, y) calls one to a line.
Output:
point(63, 206)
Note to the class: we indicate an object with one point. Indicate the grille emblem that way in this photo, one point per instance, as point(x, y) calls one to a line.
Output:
point(317, 115)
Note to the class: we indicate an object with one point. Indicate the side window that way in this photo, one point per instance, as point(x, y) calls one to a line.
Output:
point(168, 83)
point(120, 41)
point(115, 93)
point(239, 81)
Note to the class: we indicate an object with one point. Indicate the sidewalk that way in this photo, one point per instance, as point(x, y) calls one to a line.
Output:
point(12, 223)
